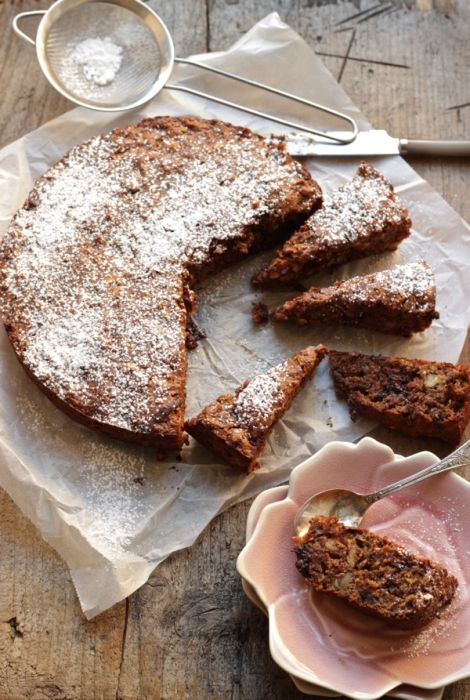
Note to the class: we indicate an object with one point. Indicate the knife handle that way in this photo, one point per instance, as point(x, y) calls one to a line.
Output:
point(417, 147)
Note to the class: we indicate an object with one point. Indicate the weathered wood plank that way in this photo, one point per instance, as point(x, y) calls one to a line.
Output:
point(47, 650)
point(411, 102)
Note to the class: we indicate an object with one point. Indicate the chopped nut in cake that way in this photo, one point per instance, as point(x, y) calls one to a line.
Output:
point(236, 426)
point(372, 573)
point(400, 301)
point(362, 217)
point(416, 397)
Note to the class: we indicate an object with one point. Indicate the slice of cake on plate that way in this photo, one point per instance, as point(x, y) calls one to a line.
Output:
point(236, 426)
point(401, 300)
point(372, 573)
point(362, 217)
point(416, 397)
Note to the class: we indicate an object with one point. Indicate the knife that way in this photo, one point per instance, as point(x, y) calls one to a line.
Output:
point(375, 142)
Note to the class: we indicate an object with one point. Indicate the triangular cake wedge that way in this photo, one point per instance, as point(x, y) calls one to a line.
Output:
point(362, 217)
point(401, 300)
point(235, 426)
point(416, 397)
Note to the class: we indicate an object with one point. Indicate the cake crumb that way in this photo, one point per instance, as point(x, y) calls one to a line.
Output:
point(259, 313)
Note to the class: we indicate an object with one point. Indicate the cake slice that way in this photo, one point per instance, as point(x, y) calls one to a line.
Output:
point(417, 397)
point(236, 426)
point(372, 573)
point(362, 217)
point(401, 300)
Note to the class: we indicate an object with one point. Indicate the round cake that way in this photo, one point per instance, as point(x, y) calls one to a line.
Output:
point(96, 268)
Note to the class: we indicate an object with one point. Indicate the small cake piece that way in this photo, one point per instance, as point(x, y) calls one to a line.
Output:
point(236, 426)
point(259, 313)
point(417, 397)
point(400, 300)
point(372, 573)
point(362, 217)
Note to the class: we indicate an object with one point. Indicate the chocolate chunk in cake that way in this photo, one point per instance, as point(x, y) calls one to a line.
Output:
point(363, 217)
point(95, 267)
point(236, 426)
point(372, 573)
point(416, 397)
point(400, 301)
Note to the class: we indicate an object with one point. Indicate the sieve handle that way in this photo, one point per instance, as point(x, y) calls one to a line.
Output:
point(275, 91)
point(20, 16)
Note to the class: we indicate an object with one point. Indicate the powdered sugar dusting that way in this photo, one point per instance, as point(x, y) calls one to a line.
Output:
point(257, 399)
point(360, 218)
point(366, 201)
point(105, 488)
point(114, 496)
point(412, 281)
point(254, 404)
point(96, 261)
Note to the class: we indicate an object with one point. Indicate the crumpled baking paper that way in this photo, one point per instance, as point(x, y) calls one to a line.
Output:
point(112, 510)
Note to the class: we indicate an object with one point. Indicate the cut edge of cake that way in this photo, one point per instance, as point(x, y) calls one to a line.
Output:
point(400, 301)
point(417, 397)
point(236, 426)
point(362, 217)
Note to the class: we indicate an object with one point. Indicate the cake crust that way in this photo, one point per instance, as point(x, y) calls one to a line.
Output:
point(95, 267)
point(400, 301)
point(236, 426)
point(373, 573)
point(362, 217)
point(416, 397)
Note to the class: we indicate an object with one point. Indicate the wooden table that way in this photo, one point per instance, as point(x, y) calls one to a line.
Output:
point(190, 633)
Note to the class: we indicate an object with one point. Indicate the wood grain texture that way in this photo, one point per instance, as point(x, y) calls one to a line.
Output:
point(46, 649)
point(190, 633)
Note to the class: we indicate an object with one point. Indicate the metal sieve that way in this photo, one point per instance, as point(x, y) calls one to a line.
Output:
point(148, 58)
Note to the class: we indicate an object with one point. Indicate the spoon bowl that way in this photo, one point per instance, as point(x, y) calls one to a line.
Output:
point(349, 507)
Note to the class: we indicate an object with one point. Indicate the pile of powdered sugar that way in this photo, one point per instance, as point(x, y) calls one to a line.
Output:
point(100, 59)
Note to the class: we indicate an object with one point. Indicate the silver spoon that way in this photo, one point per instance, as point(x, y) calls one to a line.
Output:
point(349, 507)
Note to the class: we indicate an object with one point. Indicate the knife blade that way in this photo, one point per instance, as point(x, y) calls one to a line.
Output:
point(376, 142)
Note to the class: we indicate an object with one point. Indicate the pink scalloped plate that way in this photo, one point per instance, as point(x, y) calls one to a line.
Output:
point(402, 691)
point(322, 642)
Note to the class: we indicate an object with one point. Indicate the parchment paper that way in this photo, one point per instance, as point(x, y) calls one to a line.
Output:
point(112, 510)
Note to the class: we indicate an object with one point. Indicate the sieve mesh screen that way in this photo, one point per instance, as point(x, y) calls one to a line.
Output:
point(113, 26)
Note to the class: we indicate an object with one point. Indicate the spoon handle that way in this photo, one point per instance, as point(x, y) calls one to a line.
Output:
point(456, 459)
